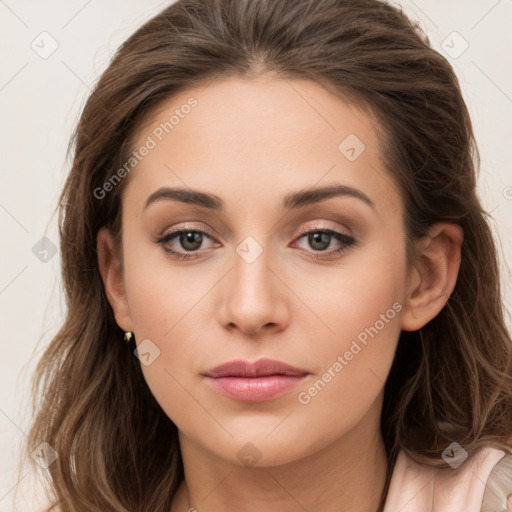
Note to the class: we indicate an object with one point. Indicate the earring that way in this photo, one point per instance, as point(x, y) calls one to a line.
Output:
point(128, 336)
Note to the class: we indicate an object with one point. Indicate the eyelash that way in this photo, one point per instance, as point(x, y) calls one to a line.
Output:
point(347, 240)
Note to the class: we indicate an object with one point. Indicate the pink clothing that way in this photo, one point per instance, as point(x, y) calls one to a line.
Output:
point(419, 488)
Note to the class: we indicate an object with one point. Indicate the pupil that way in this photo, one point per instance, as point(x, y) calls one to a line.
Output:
point(192, 237)
point(315, 238)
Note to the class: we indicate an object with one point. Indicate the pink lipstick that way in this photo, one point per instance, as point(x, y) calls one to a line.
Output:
point(259, 381)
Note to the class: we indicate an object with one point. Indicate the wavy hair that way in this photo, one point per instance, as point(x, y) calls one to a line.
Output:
point(451, 381)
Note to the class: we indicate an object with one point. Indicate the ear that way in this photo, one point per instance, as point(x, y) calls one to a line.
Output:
point(111, 270)
point(433, 276)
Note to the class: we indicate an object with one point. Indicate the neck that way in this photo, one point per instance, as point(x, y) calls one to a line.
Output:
point(347, 475)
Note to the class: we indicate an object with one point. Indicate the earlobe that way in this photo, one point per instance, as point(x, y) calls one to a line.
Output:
point(111, 271)
point(434, 275)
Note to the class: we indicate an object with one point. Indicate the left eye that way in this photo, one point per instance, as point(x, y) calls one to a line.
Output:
point(318, 239)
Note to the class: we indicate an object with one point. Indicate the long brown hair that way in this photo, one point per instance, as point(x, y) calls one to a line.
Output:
point(117, 449)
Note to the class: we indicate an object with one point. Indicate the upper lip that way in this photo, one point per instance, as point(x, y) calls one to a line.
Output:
point(260, 368)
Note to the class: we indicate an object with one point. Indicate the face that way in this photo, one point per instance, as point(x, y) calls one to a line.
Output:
point(265, 268)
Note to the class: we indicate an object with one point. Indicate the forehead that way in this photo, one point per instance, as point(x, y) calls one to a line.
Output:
point(254, 140)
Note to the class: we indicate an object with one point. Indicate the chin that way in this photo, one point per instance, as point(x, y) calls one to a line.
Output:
point(266, 447)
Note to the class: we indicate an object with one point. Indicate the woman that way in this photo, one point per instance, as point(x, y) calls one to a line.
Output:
point(274, 204)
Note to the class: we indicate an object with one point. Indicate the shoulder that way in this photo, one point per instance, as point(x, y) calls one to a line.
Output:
point(480, 483)
point(499, 487)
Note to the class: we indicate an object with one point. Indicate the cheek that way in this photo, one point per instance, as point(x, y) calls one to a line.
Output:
point(362, 294)
point(164, 302)
point(160, 292)
point(159, 308)
point(355, 356)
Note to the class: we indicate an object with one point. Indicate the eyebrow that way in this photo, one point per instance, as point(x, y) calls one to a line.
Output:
point(291, 201)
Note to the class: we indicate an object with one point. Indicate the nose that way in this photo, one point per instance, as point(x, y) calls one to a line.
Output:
point(254, 297)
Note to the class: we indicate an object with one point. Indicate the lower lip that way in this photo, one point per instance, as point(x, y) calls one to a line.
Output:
point(255, 389)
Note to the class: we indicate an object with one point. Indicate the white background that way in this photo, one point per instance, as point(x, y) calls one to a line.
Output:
point(40, 101)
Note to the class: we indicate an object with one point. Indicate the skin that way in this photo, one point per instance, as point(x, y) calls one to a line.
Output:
point(251, 142)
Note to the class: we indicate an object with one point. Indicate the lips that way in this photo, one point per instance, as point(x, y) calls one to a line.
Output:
point(259, 381)
point(260, 368)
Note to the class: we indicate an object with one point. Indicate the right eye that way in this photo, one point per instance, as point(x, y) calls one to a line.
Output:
point(190, 240)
